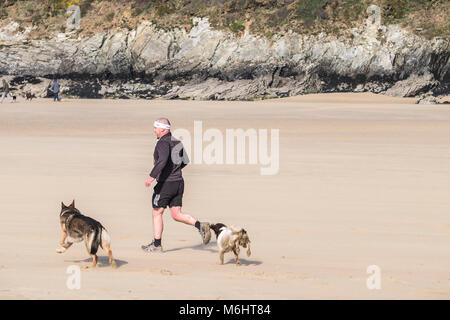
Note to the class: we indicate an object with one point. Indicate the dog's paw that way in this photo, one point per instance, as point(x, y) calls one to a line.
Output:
point(238, 263)
point(114, 265)
point(60, 250)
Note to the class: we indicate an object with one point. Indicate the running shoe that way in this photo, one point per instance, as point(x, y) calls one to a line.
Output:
point(152, 248)
point(205, 232)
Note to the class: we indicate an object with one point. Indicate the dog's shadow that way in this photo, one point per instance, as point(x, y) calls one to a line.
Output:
point(212, 247)
point(102, 262)
point(244, 262)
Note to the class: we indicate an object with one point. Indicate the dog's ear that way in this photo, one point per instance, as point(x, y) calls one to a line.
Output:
point(72, 205)
point(63, 206)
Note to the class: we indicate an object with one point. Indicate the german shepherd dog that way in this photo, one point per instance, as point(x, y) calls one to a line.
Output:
point(77, 227)
point(230, 239)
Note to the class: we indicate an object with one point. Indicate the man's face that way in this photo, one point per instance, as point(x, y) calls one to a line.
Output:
point(159, 132)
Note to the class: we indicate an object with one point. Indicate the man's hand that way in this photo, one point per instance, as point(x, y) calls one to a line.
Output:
point(149, 181)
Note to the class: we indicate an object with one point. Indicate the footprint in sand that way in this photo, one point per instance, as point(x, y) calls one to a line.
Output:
point(166, 272)
point(161, 271)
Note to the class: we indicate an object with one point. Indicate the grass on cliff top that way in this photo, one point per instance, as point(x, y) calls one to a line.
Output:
point(429, 18)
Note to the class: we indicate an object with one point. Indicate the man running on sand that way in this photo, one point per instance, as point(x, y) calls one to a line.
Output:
point(169, 159)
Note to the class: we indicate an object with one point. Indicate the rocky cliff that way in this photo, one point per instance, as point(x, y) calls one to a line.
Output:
point(211, 64)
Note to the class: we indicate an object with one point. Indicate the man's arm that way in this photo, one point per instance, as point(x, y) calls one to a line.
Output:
point(185, 159)
point(163, 151)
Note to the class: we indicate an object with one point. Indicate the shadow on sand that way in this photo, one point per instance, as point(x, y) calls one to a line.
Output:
point(244, 262)
point(212, 247)
point(209, 247)
point(102, 262)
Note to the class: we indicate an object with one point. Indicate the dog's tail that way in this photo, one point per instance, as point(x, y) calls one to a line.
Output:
point(216, 228)
point(106, 239)
point(96, 239)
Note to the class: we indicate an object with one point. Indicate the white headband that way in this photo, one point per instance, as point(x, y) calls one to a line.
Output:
point(160, 125)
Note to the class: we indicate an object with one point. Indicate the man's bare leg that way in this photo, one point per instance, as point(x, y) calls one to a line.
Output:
point(155, 245)
point(186, 218)
point(180, 216)
point(157, 222)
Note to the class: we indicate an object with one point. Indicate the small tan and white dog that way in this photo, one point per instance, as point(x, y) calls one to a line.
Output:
point(230, 239)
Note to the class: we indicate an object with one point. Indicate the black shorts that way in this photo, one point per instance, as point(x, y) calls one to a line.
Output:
point(168, 193)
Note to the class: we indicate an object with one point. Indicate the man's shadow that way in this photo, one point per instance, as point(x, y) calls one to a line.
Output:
point(208, 247)
point(102, 262)
point(212, 247)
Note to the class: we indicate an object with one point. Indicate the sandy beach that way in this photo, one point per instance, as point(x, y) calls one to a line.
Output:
point(363, 180)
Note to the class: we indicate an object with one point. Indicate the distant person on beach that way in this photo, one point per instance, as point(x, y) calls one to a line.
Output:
point(169, 158)
point(55, 88)
point(6, 92)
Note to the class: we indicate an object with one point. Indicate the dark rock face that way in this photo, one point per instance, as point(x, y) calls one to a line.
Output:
point(211, 64)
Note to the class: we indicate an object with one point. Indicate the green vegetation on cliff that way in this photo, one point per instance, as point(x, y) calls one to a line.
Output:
point(429, 18)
